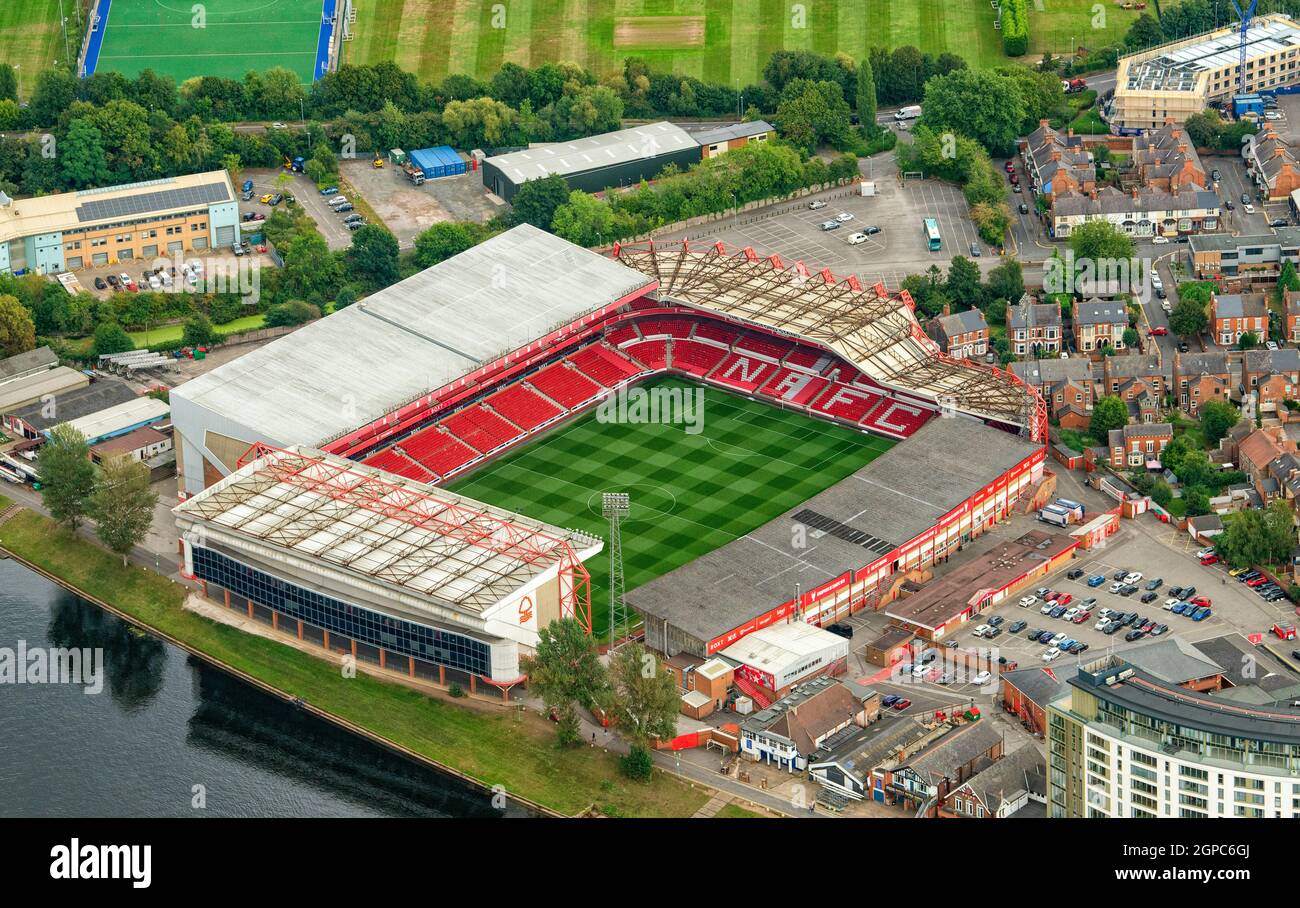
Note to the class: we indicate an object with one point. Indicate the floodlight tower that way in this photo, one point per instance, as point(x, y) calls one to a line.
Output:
point(615, 506)
point(1245, 18)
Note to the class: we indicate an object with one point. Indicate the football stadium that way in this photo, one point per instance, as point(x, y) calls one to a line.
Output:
point(417, 478)
point(226, 38)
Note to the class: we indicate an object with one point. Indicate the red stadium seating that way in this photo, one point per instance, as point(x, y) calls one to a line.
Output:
point(564, 385)
point(716, 331)
point(621, 335)
point(604, 365)
point(654, 354)
point(766, 346)
point(393, 462)
point(523, 407)
point(846, 403)
point(793, 387)
point(657, 327)
point(743, 371)
point(441, 452)
point(696, 358)
point(803, 356)
point(481, 428)
point(898, 419)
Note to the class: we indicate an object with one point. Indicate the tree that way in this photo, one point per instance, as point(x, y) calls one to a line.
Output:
point(294, 312)
point(1188, 317)
point(445, 239)
point(1258, 537)
point(310, 269)
point(1100, 241)
point(645, 704)
point(567, 672)
point(198, 331)
point(1144, 33)
point(866, 94)
point(1196, 501)
point(585, 220)
point(1217, 417)
point(17, 332)
point(536, 200)
point(1006, 282)
point(373, 256)
point(812, 114)
point(1248, 341)
point(964, 281)
point(82, 156)
point(110, 337)
point(1130, 338)
point(122, 504)
point(1108, 413)
point(67, 475)
point(985, 106)
point(8, 82)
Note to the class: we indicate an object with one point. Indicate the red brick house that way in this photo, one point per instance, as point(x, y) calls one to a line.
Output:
point(1066, 385)
point(1274, 376)
point(1198, 377)
point(1009, 786)
point(964, 335)
point(1166, 159)
point(1098, 323)
point(1034, 327)
point(1291, 300)
point(1138, 443)
point(1235, 314)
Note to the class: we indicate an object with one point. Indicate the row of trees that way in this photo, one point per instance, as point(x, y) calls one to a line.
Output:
point(115, 495)
point(638, 695)
point(1258, 537)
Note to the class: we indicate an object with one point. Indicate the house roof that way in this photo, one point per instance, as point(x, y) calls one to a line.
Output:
point(1100, 312)
point(1050, 371)
point(1173, 659)
point(732, 131)
point(943, 758)
point(810, 712)
point(1214, 362)
point(1151, 202)
point(1027, 314)
point(1040, 685)
point(1259, 448)
point(1239, 305)
point(76, 404)
point(1134, 365)
point(1286, 359)
point(963, 322)
point(1007, 778)
point(130, 442)
point(21, 363)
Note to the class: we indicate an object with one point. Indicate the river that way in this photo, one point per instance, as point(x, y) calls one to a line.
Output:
point(170, 736)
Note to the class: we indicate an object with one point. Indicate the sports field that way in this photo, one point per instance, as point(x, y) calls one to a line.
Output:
point(218, 38)
point(716, 40)
point(690, 493)
point(31, 39)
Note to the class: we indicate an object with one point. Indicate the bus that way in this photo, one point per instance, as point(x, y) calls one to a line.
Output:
point(932, 234)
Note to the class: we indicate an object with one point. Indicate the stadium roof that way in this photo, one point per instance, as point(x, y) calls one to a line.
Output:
point(594, 152)
point(90, 207)
point(889, 502)
point(363, 521)
point(873, 330)
point(356, 365)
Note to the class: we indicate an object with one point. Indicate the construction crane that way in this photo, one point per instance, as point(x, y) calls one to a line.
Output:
point(1245, 18)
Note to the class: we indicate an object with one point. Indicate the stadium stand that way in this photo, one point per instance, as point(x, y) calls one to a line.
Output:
point(696, 358)
point(804, 357)
point(743, 371)
point(565, 386)
point(653, 354)
point(764, 346)
point(793, 387)
point(439, 451)
point(523, 406)
point(622, 334)
point(481, 428)
point(843, 402)
point(716, 331)
point(604, 365)
point(666, 327)
point(394, 462)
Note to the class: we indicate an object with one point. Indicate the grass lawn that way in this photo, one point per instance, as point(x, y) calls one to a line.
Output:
point(725, 41)
point(171, 334)
point(236, 36)
point(495, 746)
point(31, 39)
point(732, 812)
point(690, 493)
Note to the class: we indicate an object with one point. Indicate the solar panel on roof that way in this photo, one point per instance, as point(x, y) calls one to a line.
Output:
point(125, 206)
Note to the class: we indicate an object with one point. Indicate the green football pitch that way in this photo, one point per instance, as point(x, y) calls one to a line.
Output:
point(31, 39)
point(726, 41)
point(218, 38)
point(690, 493)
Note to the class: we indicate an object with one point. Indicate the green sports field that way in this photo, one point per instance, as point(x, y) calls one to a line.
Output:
point(31, 39)
point(229, 37)
point(716, 40)
point(690, 493)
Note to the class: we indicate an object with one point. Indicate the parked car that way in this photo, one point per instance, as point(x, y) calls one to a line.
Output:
point(100, 284)
point(1120, 574)
point(329, 190)
point(1047, 607)
point(1201, 613)
point(1070, 614)
point(1074, 573)
point(1134, 634)
point(346, 206)
point(1181, 608)
point(996, 620)
point(841, 629)
point(1027, 601)
point(1128, 590)
point(889, 699)
point(1111, 628)
point(1064, 599)
point(1081, 617)
point(1149, 597)
point(1159, 629)
point(900, 704)
point(1057, 638)
point(1024, 209)
point(982, 630)
point(843, 217)
point(1133, 577)
point(1154, 583)
point(830, 225)
point(981, 679)
point(1016, 627)
point(1210, 559)
point(872, 230)
point(1051, 655)
point(1057, 611)
point(1096, 580)
point(857, 239)
point(1201, 600)
point(975, 250)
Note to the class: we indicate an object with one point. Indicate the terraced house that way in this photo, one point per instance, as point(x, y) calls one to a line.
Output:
point(1138, 443)
point(1234, 315)
point(138, 221)
point(1166, 158)
point(1199, 377)
point(1291, 305)
point(1139, 212)
point(1058, 163)
point(1272, 165)
point(1066, 385)
point(1273, 375)
point(1099, 323)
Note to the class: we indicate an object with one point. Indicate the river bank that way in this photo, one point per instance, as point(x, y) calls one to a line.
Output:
point(512, 751)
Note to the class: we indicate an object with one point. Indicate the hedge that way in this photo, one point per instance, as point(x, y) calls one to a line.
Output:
point(1015, 28)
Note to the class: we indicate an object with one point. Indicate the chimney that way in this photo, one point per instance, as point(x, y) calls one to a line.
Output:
point(1055, 155)
point(1043, 123)
point(947, 309)
point(1170, 121)
point(1182, 148)
point(1069, 132)
point(1279, 151)
point(1135, 192)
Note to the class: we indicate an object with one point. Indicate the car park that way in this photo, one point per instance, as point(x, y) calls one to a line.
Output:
point(1180, 608)
point(329, 190)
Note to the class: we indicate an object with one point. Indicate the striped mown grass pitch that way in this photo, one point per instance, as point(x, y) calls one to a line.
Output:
point(690, 493)
point(436, 37)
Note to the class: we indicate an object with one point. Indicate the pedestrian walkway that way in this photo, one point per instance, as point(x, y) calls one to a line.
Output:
point(710, 810)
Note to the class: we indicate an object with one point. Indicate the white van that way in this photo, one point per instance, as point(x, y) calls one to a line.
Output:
point(911, 112)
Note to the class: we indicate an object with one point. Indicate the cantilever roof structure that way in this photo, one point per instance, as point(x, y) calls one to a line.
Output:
point(874, 330)
point(433, 543)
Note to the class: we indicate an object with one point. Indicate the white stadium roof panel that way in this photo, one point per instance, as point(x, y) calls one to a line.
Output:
point(356, 365)
point(565, 158)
